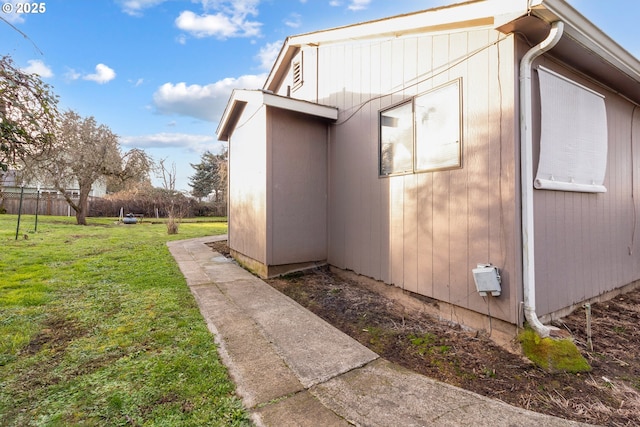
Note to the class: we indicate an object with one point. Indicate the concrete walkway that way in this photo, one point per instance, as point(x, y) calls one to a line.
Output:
point(292, 368)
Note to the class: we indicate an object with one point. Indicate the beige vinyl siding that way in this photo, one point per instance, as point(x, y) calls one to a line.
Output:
point(585, 243)
point(635, 238)
point(297, 188)
point(307, 90)
point(248, 185)
point(278, 189)
point(424, 232)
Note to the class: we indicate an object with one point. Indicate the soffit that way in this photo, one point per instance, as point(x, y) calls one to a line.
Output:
point(583, 46)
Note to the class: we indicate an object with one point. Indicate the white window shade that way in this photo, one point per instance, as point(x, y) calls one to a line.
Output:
point(573, 136)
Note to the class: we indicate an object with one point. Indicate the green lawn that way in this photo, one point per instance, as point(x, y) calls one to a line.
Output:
point(98, 327)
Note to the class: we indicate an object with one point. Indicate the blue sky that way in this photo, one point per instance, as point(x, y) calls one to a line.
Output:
point(159, 72)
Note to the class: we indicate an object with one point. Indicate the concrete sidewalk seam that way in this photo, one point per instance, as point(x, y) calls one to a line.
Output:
point(292, 368)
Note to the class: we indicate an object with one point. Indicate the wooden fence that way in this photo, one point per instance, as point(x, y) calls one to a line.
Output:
point(55, 204)
point(46, 204)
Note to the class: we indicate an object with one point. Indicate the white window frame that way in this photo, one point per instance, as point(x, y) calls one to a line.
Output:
point(396, 139)
point(431, 141)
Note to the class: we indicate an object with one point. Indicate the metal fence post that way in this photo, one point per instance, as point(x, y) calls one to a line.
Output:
point(20, 209)
point(37, 206)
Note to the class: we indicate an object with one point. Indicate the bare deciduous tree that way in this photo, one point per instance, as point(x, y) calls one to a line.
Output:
point(172, 200)
point(133, 174)
point(86, 152)
point(28, 115)
point(168, 175)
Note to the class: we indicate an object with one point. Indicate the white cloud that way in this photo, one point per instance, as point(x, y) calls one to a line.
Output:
point(72, 74)
point(102, 75)
point(202, 102)
point(13, 17)
point(268, 54)
point(230, 19)
point(181, 39)
point(135, 7)
point(358, 4)
point(206, 25)
point(233, 7)
point(136, 83)
point(294, 20)
point(38, 67)
point(191, 142)
point(353, 5)
point(218, 25)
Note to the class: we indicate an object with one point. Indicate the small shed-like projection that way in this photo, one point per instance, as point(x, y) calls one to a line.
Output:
point(277, 180)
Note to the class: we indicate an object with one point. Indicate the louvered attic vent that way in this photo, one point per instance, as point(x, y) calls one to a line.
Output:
point(297, 72)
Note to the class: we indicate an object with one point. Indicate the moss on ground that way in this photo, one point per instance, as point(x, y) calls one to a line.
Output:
point(554, 355)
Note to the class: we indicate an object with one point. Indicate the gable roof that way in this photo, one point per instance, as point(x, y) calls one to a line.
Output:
point(468, 14)
point(616, 67)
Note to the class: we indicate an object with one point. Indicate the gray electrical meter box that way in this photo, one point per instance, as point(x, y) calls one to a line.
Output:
point(487, 278)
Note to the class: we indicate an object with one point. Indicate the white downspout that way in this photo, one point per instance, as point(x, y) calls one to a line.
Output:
point(526, 177)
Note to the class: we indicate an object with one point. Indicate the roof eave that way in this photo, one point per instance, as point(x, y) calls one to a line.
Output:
point(279, 69)
point(478, 12)
point(461, 15)
point(585, 33)
point(241, 98)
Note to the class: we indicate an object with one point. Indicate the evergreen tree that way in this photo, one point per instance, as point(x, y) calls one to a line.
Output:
point(210, 176)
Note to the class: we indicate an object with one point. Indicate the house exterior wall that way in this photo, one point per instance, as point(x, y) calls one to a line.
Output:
point(248, 185)
point(308, 90)
point(297, 188)
point(425, 232)
point(586, 243)
point(287, 82)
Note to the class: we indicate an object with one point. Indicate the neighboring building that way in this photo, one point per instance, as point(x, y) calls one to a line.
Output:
point(10, 184)
point(393, 148)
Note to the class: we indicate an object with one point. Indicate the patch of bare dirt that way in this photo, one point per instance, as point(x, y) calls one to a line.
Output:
point(56, 335)
point(608, 395)
point(221, 247)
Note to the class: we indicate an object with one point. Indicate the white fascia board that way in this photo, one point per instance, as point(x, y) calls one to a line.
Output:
point(261, 97)
point(284, 57)
point(240, 98)
point(304, 107)
point(229, 115)
point(500, 11)
point(588, 35)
